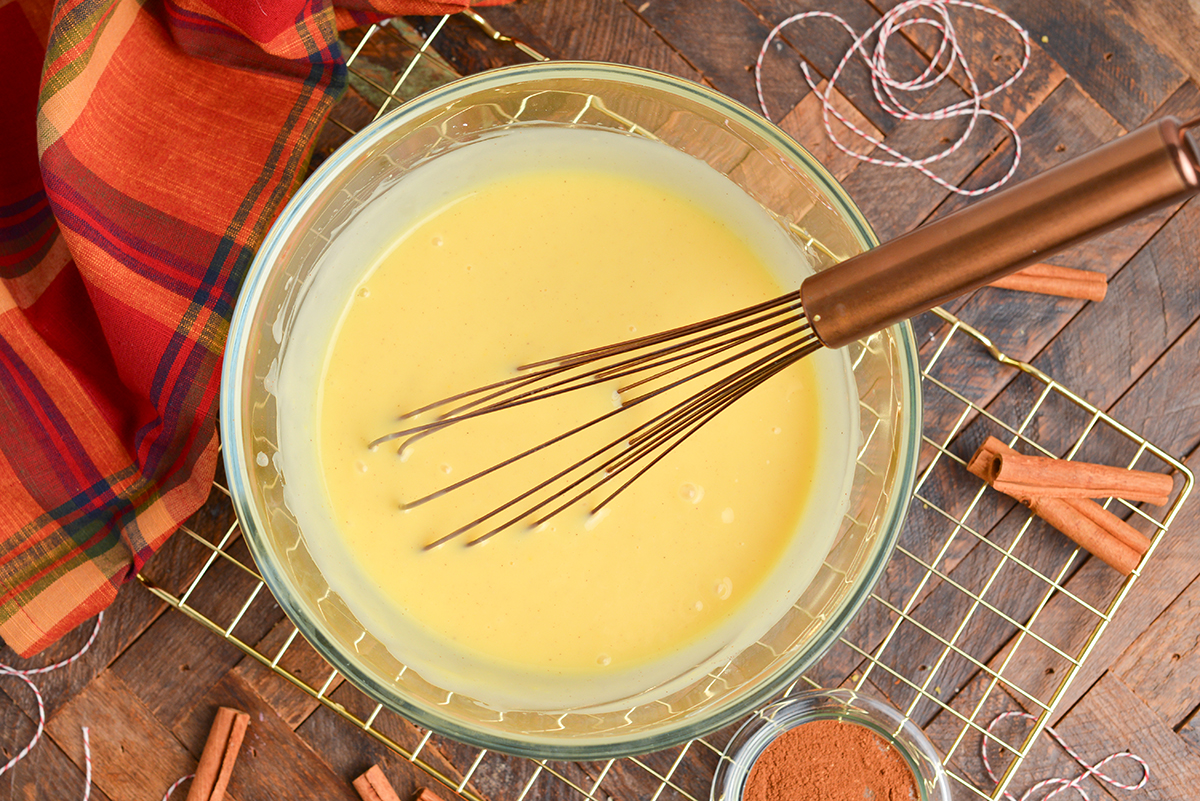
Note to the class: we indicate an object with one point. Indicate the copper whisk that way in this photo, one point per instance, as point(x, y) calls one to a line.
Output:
point(1155, 166)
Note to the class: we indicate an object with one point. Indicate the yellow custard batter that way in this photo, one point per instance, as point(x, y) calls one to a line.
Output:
point(569, 239)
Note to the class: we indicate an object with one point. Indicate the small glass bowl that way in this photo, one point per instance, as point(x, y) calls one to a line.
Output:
point(757, 733)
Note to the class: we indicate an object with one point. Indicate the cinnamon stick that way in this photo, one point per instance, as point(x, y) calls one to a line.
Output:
point(374, 786)
point(1020, 476)
point(1083, 521)
point(1050, 279)
point(219, 755)
point(428, 795)
point(1081, 530)
point(1114, 525)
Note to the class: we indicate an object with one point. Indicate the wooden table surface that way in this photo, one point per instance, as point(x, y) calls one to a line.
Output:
point(149, 686)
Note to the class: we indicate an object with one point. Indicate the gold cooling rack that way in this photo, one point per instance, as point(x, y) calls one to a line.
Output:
point(981, 611)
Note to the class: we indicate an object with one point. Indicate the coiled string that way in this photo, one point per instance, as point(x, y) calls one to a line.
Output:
point(26, 675)
point(934, 14)
point(1065, 784)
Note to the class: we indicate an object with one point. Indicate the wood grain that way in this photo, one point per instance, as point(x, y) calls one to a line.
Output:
point(822, 43)
point(274, 761)
point(46, 772)
point(132, 753)
point(1103, 52)
point(1110, 718)
point(1162, 666)
point(1099, 67)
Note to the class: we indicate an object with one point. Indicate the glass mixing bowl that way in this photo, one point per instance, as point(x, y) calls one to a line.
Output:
point(806, 202)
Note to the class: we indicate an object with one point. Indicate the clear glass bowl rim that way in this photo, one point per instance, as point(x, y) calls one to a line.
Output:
point(251, 519)
point(749, 743)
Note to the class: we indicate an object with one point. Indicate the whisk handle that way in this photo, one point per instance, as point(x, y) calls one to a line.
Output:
point(1152, 167)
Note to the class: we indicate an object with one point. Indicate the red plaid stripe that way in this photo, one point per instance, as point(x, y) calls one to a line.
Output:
point(152, 146)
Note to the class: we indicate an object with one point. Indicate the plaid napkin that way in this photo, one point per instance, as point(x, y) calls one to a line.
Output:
point(146, 148)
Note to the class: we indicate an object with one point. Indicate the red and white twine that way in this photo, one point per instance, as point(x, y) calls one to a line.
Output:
point(934, 14)
point(24, 675)
point(178, 782)
point(1061, 784)
point(1066, 784)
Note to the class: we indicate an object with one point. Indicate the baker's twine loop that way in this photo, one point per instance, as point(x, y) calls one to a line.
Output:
point(934, 14)
point(1062, 785)
point(178, 782)
point(25, 674)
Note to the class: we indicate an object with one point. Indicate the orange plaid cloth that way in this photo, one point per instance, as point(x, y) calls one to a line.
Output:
point(146, 149)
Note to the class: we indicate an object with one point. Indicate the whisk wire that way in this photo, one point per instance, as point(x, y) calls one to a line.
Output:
point(492, 397)
point(673, 428)
point(655, 438)
point(799, 330)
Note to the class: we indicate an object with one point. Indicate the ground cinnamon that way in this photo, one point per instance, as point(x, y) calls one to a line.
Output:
point(1050, 279)
point(219, 755)
point(830, 760)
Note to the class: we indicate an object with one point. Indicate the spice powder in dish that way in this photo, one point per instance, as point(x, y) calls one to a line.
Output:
point(830, 760)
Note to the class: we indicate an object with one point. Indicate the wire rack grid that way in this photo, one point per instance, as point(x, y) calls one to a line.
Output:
point(982, 610)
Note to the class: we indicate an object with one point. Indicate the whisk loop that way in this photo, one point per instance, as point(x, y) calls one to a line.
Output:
point(742, 349)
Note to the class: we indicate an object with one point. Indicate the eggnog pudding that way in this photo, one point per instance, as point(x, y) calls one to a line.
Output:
point(512, 249)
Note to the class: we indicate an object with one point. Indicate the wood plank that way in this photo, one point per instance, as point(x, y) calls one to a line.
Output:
point(821, 43)
point(1174, 565)
point(177, 658)
point(1153, 301)
point(1172, 25)
point(993, 51)
point(467, 50)
point(1149, 318)
point(1047, 761)
point(300, 660)
point(721, 44)
point(805, 124)
point(324, 731)
point(977, 631)
point(45, 772)
point(132, 753)
point(1103, 52)
point(1021, 323)
point(1189, 730)
point(1172, 568)
point(959, 742)
point(130, 613)
point(349, 753)
point(689, 766)
point(1162, 666)
point(875, 188)
point(379, 63)
point(608, 31)
point(1110, 718)
point(1174, 425)
point(274, 761)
